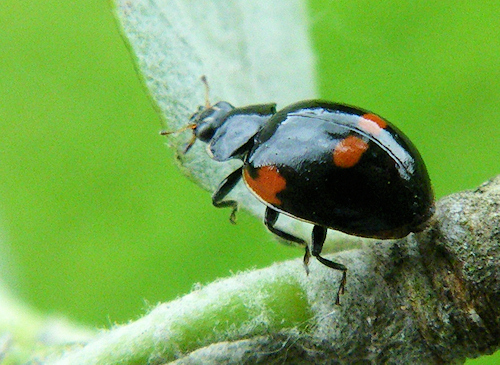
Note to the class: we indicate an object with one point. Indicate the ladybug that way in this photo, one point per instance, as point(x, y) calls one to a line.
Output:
point(332, 165)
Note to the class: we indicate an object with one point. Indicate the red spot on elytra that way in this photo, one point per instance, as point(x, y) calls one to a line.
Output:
point(348, 151)
point(267, 183)
point(372, 123)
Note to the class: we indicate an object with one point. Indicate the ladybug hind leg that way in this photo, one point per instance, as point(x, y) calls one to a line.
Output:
point(318, 238)
point(225, 188)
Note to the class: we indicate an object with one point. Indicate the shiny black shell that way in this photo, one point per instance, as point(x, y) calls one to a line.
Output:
point(378, 187)
point(332, 165)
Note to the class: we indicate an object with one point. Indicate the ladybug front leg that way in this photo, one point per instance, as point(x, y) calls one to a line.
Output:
point(318, 238)
point(225, 188)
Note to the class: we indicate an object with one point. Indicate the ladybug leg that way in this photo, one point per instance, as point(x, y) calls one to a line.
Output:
point(307, 256)
point(225, 188)
point(318, 238)
point(270, 219)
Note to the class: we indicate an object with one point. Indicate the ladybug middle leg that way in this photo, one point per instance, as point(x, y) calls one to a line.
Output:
point(318, 238)
point(270, 219)
point(225, 188)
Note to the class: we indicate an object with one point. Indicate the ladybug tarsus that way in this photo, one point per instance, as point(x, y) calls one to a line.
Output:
point(318, 239)
point(223, 189)
point(336, 266)
point(307, 256)
point(341, 287)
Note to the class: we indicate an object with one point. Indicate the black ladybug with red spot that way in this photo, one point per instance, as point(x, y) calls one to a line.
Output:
point(332, 165)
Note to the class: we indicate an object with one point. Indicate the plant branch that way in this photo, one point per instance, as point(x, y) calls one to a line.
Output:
point(431, 298)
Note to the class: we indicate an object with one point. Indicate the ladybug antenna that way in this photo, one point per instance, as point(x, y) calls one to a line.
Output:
point(189, 126)
point(207, 91)
point(192, 126)
point(191, 142)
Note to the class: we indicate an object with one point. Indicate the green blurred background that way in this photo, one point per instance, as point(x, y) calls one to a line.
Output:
point(99, 223)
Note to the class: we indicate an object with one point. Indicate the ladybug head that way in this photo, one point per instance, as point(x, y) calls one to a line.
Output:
point(204, 122)
point(208, 119)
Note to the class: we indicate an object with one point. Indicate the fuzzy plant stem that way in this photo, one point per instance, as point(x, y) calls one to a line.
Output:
point(429, 298)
